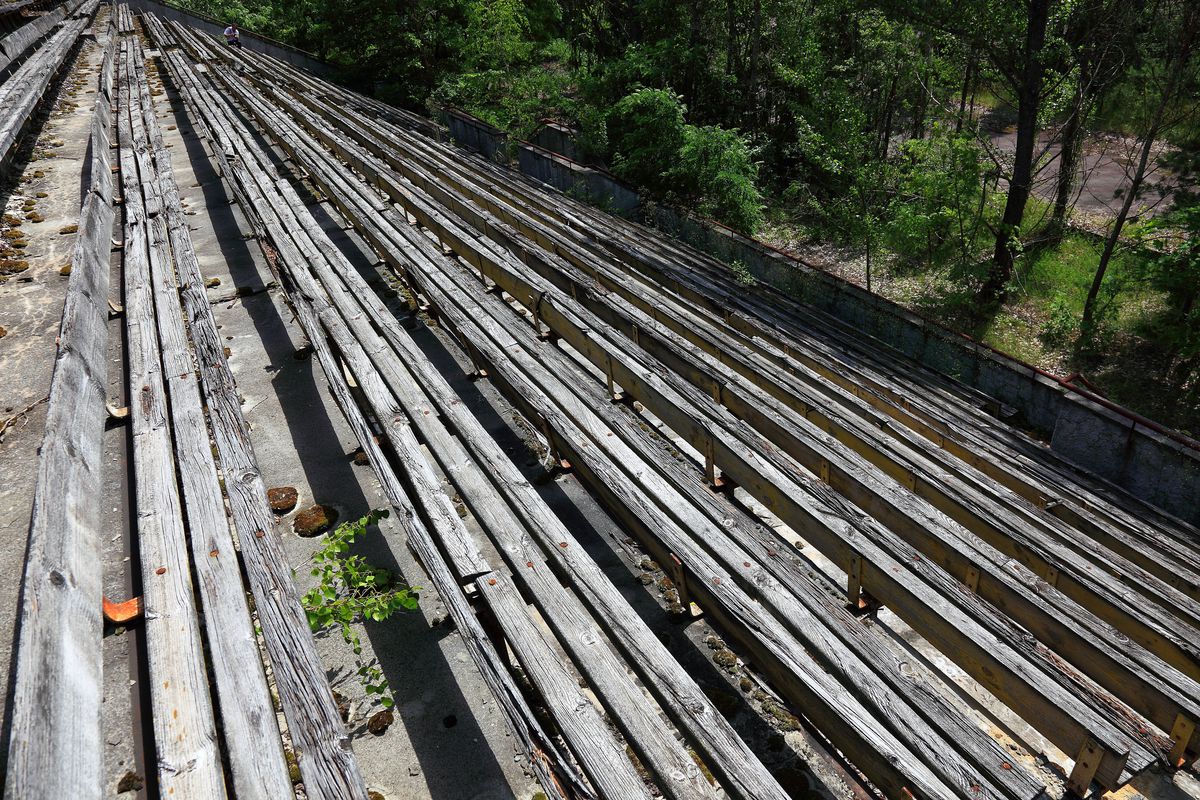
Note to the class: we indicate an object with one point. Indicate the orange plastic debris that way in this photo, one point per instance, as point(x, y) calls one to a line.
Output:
point(120, 613)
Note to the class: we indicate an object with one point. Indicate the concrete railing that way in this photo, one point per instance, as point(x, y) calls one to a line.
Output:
point(590, 184)
point(1156, 464)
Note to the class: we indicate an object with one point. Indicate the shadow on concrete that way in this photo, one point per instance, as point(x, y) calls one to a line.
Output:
point(407, 649)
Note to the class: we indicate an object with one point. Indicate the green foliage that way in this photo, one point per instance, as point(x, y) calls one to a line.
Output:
point(1174, 268)
point(859, 121)
point(938, 216)
point(1062, 322)
point(742, 273)
point(351, 591)
point(495, 37)
point(716, 175)
point(708, 168)
point(646, 133)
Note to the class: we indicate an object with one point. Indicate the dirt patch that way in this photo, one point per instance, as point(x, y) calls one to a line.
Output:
point(314, 520)
point(282, 498)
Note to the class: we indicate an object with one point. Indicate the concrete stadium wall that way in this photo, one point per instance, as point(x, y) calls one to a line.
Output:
point(251, 40)
point(557, 139)
point(592, 185)
point(1156, 465)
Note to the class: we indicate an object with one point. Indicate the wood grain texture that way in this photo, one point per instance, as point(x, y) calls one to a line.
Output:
point(185, 737)
point(478, 211)
point(465, 244)
point(55, 741)
point(555, 601)
point(19, 42)
point(22, 92)
point(249, 732)
point(554, 771)
point(322, 745)
point(917, 768)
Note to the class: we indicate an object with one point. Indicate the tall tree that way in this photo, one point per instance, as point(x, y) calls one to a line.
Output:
point(1170, 74)
point(1026, 81)
point(1101, 37)
point(1012, 36)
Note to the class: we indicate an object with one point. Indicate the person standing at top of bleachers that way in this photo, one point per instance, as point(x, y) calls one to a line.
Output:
point(233, 36)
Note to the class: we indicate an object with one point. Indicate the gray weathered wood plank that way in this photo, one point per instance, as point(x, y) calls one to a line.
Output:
point(185, 736)
point(54, 747)
point(249, 732)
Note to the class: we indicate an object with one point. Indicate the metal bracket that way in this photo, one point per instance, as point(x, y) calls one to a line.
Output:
point(1086, 764)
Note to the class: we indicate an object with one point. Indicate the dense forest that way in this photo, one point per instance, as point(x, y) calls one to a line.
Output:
point(1022, 171)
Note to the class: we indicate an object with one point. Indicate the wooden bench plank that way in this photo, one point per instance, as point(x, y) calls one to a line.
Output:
point(54, 747)
point(185, 736)
point(310, 164)
point(462, 241)
point(249, 733)
point(322, 745)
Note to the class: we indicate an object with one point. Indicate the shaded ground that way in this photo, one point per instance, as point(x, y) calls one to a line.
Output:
point(1038, 322)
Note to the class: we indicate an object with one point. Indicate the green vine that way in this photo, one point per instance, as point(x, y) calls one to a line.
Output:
point(350, 591)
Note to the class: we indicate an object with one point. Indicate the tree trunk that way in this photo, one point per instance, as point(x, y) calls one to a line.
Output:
point(1028, 94)
point(1177, 66)
point(693, 57)
point(1068, 165)
point(885, 139)
point(1072, 143)
point(751, 95)
point(924, 88)
point(731, 42)
point(1114, 234)
point(966, 87)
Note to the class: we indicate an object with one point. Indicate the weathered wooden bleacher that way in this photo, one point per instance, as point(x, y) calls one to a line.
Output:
point(1070, 603)
point(32, 56)
point(176, 404)
point(1006, 553)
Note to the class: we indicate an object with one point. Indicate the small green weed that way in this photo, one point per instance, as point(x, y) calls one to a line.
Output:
point(350, 591)
point(742, 274)
point(1062, 322)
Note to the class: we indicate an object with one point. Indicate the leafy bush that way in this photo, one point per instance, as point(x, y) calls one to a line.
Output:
point(742, 273)
point(716, 174)
point(1062, 323)
point(646, 133)
point(939, 188)
point(496, 34)
point(352, 591)
point(708, 168)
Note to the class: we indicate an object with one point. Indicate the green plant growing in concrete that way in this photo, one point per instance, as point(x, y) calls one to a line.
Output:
point(742, 274)
point(351, 590)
